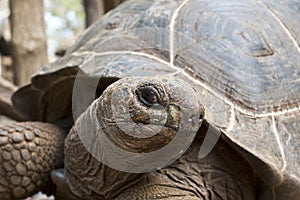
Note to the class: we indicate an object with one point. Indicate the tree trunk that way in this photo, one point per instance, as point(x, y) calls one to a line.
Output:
point(110, 4)
point(6, 108)
point(93, 10)
point(28, 45)
point(96, 8)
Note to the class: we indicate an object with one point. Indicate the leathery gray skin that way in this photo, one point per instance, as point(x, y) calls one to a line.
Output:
point(222, 174)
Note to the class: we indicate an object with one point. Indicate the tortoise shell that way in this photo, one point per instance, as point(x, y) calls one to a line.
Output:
point(241, 56)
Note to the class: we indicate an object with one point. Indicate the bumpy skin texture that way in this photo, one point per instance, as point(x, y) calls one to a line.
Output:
point(28, 153)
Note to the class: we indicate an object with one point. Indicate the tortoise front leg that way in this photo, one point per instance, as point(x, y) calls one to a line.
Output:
point(29, 151)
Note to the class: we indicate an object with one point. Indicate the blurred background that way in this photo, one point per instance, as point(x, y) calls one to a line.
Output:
point(36, 32)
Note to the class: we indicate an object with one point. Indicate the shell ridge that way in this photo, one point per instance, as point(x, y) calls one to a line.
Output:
point(123, 52)
point(231, 119)
point(172, 28)
point(281, 149)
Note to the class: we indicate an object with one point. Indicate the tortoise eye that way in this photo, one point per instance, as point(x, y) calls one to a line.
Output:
point(148, 95)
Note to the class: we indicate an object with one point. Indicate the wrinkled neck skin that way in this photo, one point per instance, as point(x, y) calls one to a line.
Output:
point(88, 178)
point(223, 173)
point(137, 125)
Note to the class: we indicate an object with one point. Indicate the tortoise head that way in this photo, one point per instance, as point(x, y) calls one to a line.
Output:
point(148, 115)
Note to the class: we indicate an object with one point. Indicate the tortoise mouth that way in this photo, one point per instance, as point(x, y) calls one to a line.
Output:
point(146, 129)
point(168, 121)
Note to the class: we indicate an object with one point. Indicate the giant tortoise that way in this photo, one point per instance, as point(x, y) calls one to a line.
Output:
point(132, 92)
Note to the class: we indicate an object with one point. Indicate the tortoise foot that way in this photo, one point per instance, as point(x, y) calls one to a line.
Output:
point(28, 153)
